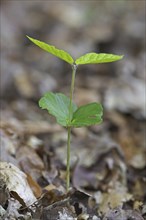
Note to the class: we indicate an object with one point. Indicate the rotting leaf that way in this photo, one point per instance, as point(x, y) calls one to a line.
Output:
point(15, 181)
point(33, 166)
point(113, 199)
point(52, 194)
point(121, 214)
point(65, 215)
point(34, 186)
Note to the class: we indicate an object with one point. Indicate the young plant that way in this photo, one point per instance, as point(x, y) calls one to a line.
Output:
point(63, 108)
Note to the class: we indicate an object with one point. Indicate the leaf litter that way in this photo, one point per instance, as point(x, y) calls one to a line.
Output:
point(108, 162)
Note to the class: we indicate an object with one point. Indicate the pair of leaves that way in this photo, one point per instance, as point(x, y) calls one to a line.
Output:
point(57, 105)
point(85, 59)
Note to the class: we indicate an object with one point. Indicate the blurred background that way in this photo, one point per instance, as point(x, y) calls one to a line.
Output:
point(78, 27)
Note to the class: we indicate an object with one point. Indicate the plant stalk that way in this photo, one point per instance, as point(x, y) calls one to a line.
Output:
point(74, 68)
point(68, 160)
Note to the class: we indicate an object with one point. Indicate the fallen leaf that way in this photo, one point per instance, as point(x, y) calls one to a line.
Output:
point(113, 199)
point(126, 95)
point(16, 181)
point(121, 214)
point(34, 186)
point(33, 166)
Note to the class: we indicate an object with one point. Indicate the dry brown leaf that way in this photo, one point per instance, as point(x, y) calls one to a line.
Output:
point(120, 214)
point(34, 186)
point(113, 199)
point(30, 161)
point(16, 181)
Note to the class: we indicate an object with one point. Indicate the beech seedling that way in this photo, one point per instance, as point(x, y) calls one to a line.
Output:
point(63, 108)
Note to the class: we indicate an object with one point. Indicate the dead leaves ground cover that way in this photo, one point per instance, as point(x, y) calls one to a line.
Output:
point(108, 166)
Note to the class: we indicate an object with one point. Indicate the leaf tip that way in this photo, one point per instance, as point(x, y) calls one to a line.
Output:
point(121, 57)
point(28, 37)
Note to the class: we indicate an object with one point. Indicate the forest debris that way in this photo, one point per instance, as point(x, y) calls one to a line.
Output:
point(9, 140)
point(16, 181)
point(26, 81)
point(59, 212)
point(25, 154)
point(95, 200)
point(64, 215)
point(79, 199)
point(138, 161)
point(83, 177)
point(59, 204)
point(95, 217)
point(13, 124)
point(80, 132)
point(83, 216)
point(31, 84)
point(12, 209)
point(51, 174)
point(121, 29)
point(139, 189)
point(92, 148)
point(4, 193)
point(2, 212)
point(40, 127)
point(34, 167)
point(53, 194)
point(144, 210)
point(31, 127)
point(137, 205)
point(34, 186)
point(131, 138)
point(111, 165)
point(113, 199)
point(23, 84)
point(6, 157)
point(34, 142)
point(9, 143)
point(59, 138)
point(86, 96)
point(120, 214)
point(126, 95)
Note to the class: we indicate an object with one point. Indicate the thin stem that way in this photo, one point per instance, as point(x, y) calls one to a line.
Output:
point(74, 68)
point(68, 160)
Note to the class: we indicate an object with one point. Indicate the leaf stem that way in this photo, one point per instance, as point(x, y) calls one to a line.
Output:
point(68, 160)
point(74, 68)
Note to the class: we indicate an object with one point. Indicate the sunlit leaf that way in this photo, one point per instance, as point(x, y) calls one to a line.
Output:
point(97, 58)
point(57, 105)
point(53, 50)
point(87, 115)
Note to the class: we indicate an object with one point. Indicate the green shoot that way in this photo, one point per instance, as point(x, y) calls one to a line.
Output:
point(62, 108)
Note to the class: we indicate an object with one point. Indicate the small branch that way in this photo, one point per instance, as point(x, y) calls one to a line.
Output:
point(58, 203)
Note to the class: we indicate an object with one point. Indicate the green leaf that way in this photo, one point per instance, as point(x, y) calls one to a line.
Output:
point(87, 115)
point(57, 105)
point(97, 58)
point(53, 50)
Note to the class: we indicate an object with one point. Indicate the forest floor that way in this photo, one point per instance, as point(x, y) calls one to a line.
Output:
point(108, 164)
